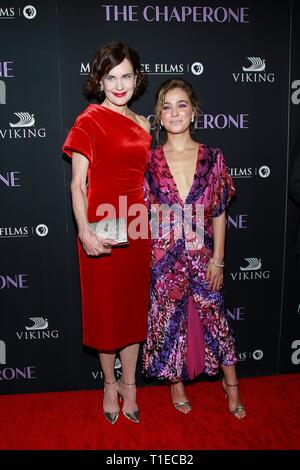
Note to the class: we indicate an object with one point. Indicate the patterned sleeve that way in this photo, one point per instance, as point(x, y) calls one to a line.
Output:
point(80, 140)
point(222, 186)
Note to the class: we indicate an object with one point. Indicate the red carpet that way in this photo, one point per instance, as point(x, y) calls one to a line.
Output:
point(73, 420)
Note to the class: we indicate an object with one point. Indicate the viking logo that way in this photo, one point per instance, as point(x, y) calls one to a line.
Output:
point(258, 65)
point(39, 324)
point(253, 264)
point(25, 120)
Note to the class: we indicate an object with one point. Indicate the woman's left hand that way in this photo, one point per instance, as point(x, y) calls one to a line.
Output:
point(214, 276)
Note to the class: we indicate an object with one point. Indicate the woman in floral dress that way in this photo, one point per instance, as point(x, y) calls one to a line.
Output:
point(188, 329)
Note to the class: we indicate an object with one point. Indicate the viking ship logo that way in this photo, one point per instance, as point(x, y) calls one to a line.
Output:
point(257, 65)
point(39, 324)
point(25, 120)
point(253, 264)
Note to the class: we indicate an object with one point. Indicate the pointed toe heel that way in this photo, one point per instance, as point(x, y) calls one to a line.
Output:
point(133, 416)
point(111, 416)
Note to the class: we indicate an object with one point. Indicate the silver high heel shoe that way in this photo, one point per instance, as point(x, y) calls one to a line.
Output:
point(111, 416)
point(133, 416)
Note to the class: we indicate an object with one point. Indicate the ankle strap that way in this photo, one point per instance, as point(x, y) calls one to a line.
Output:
point(110, 383)
point(231, 385)
point(125, 383)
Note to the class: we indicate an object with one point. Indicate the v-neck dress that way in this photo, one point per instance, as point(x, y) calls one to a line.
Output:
point(188, 326)
point(114, 287)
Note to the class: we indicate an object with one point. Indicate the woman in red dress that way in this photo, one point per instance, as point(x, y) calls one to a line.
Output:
point(109, 146)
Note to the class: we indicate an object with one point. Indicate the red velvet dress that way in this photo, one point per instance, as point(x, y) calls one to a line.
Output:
point(114, 287)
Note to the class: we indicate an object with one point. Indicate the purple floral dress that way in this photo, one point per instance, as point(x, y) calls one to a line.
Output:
point(188, 329)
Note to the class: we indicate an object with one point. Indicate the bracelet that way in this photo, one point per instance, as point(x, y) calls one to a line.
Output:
point(212, 261)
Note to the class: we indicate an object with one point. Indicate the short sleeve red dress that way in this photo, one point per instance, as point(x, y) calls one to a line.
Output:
point(114, 287)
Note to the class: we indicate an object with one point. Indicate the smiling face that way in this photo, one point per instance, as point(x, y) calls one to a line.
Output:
point(177, 111)
point(118, 84)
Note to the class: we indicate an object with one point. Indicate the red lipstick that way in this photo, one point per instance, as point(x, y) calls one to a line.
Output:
point(120, 95)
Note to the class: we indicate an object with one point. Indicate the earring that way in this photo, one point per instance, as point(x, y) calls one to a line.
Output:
point(192, 118)
point(101, 92)
point(161, 124)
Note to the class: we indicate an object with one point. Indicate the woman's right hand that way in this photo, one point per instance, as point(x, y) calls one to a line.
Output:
point(93, 245)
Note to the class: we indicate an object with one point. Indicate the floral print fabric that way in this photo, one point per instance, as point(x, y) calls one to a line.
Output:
point(188, 328)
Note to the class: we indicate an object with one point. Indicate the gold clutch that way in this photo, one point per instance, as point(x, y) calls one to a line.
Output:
point(114, 229)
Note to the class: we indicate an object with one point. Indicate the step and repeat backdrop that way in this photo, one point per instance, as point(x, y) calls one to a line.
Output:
point(241, 59)
point(289, 350)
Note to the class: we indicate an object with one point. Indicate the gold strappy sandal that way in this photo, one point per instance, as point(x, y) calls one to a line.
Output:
point(238, 409)
point(183, 406)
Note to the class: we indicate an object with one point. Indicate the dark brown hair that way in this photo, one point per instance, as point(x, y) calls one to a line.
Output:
point(160, 97)
point(105, 59)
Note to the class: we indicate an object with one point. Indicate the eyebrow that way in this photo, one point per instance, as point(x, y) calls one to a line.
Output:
point(111, 75)
point(179, 101)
